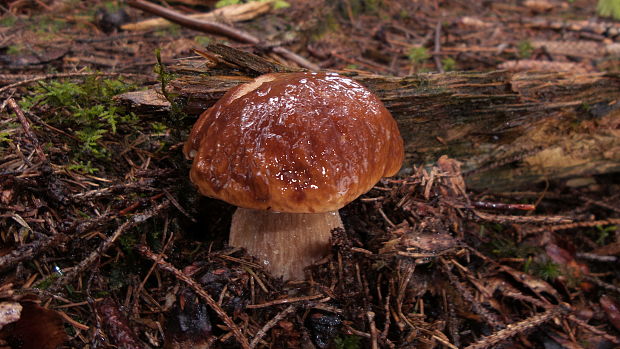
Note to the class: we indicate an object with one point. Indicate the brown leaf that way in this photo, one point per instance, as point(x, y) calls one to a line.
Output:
point(37, 328)
point(535, 284)
point(567, 260)
point(612, 310)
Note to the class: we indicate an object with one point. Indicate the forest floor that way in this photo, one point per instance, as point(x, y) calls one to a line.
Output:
point(104, 241)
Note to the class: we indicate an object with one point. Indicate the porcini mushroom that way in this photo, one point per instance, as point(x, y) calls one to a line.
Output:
point(290, 149)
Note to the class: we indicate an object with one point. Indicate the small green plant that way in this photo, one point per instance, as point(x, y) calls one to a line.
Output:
point(222, 3)
point(508, 248)
point(85, 168)
point(546, 270)
point(90, 141)
point(4, 137)
point(525, 49)
point(173, 30)
point(14, 49)
point(46, 25)
point(448, 64)
point(202, 40)
point(609, 8)
point(9, 20)
point(347, 342)
point(47, 281)
point(417, 55)
point(602, 233)
point(277, 4)
point(86, 108)
point(159, 127)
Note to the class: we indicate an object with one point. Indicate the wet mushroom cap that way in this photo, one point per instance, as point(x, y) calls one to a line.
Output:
point(294, 142)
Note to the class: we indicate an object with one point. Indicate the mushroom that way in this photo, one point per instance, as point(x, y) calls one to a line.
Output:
point(289, 150)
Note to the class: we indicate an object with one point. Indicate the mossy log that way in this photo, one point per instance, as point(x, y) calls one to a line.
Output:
point(508, 129)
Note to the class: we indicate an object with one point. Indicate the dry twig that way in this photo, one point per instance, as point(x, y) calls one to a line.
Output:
point(263, 331)
point(218, 29)
point(514, 329)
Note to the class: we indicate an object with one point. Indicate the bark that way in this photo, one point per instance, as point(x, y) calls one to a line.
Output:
point(508, 129)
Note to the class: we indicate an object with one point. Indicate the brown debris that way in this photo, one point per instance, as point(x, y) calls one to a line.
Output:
point(116, 326)
point(543, 66)
point(35, 328)
point(430, 259)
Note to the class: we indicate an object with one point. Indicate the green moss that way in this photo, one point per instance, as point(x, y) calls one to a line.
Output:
point(546, 270)
point(173, 30)
point(369, 7)
point(47, 282)
point(203, 40)
point(45, 25)
point(82, 167)
point(14, 49)
point(347, 342)
point(277, 4)
point(87, 109)
point(8, 21)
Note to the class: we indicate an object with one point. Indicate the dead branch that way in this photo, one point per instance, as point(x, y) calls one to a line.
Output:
point(573, 225)
point(285, 301)
point(515, 329)
point(507, 129)
point(29, 251)
point(218, 29)
point(230, 13)
point(27, 129)
point(263, 331)
point(522, 219)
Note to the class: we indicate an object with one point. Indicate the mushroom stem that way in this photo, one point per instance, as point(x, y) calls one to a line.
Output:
point(285, 243)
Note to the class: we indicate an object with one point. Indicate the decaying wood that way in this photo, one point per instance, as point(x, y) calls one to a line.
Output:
point(508, 129)
point(231, 13)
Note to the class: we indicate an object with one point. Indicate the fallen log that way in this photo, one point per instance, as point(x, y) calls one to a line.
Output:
point(508, 129)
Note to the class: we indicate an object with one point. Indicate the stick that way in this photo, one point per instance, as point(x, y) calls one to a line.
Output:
point(231, 13)
point(263, 331)
point(218, 29)
point(145, 251)
point(515, 328)
point(284, 301)
point(27, 129)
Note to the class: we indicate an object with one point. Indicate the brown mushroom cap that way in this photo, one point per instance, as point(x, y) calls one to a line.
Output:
point(294, 142)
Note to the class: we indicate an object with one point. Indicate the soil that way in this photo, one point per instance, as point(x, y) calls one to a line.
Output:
point(104, 241)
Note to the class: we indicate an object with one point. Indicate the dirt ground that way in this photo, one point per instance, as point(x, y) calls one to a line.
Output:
point(104, 241)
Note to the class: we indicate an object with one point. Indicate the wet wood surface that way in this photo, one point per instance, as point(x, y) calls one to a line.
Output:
point(508, 129)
